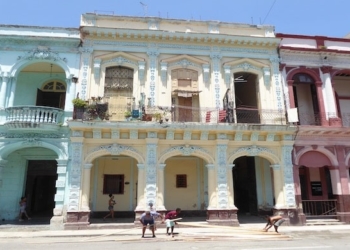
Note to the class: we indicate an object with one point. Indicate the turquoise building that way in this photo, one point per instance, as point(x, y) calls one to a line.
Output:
point(38, 75)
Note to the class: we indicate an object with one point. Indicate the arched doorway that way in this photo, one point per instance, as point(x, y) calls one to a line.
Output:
point(316, 190)
point(186, 186)
point(34, 176)
point(246, 102)
point(117, 175)
point(253, 186)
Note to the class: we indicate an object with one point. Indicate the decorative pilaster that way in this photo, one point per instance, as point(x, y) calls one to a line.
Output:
point(5, 82)
point(164, 72)
point(276, 81)
point(97, 68)
point(288, 175)
point(206, 72)
point(2, 166)
point(151, 171)
point(153, 56)
point(85, 62)
point(142, 67)
point(215, 58)
point(228, 73)
point(231, 196)
point(222, 187)
point(141, 186)
point(321, 103)
point(75, 176)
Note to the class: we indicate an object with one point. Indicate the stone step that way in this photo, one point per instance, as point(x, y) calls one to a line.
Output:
point(316, 222)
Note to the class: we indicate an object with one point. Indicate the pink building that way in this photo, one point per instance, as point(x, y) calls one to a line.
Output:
point(316, 75)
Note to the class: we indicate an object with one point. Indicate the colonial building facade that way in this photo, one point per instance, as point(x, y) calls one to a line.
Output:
point(39, 67)
point(315, 74)
point(185, 114)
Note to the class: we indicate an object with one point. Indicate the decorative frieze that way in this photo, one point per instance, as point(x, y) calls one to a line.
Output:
point(238, 136)
point(142, 68)
point(97, 134)
point(204, 135)
point(152, 134)
point(42, 53)
point(134, 134)
point(187, 135)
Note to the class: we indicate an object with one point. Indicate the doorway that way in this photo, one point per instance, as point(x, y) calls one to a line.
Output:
point(244, 183)
point(41, 187)
point(53, 94)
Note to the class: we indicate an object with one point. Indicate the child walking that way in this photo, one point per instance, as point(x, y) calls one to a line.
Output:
point(22, 208)
point(111, 204)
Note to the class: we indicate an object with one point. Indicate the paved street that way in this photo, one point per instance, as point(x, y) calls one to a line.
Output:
point(246, 237)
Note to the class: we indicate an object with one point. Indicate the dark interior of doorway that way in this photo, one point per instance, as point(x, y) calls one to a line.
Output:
point(244, 184)
point(50, 99)
point(41, 187)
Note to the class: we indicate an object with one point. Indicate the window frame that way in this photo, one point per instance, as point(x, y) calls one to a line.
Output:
point(118, 189)
point(181, 181)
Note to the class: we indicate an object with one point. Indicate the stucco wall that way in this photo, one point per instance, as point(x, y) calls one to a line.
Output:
point(113, 165)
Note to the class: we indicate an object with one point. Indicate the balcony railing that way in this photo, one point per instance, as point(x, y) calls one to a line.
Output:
point(177, 113)
point(320, 208)
point(33, 117)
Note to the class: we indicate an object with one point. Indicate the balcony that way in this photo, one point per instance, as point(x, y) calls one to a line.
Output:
point(33, 118)
point(184, 114)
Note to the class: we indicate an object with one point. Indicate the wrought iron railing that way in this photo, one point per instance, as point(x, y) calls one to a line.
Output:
point(33, 114)
point(320, 208)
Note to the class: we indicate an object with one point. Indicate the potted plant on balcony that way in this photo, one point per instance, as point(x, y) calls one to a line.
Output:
point(127, 114)
point(158, 117)
point(79, 108)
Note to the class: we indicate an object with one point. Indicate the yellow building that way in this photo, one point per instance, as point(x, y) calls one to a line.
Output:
point(181, 113)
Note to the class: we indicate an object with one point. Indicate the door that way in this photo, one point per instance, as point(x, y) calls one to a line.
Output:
point(185, 109)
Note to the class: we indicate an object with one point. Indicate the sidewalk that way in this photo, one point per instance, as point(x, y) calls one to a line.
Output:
point(184, 229)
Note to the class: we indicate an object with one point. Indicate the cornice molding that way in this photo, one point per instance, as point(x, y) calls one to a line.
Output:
point(156, 35)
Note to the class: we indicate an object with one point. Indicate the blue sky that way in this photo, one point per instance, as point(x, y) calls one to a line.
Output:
point(302, 17)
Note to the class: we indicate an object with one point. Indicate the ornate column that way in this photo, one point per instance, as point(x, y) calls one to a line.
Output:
point(57, 221)
point(147, 185)
point(276, 81)
point(5, 81)
point(153, 73)
point(321, 104)
point(70, 94)
point(160, 188)
point(85, 194)
point(223, 213)
point(2, 166)
point(75, 215)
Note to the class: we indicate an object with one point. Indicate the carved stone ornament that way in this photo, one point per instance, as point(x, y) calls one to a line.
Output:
point(42, 54)
point(114, 149)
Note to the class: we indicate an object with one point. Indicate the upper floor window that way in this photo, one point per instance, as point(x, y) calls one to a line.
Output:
point(54, 87)
point(181, 181)
point(118, 79)
point(184, 79)
point(303, 78)
point(113, 184)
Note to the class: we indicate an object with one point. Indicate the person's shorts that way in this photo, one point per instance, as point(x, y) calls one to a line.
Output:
point(148, 222)
point(110, 208)
point(279, 222)
point(169, 223)
point(23, 209)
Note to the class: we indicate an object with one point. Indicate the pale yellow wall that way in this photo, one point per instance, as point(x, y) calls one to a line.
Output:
point(106, 165)
point(192, 197)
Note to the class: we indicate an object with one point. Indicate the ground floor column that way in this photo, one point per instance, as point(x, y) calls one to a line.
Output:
point(278, 186)
point(85, 194)
point(159, 204)
point(57, 221)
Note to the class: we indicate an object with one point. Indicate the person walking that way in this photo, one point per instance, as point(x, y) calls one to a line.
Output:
point(147, 218)
point(111, 203)
point(275, 221)
point(168, 220)
point(22, 208)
